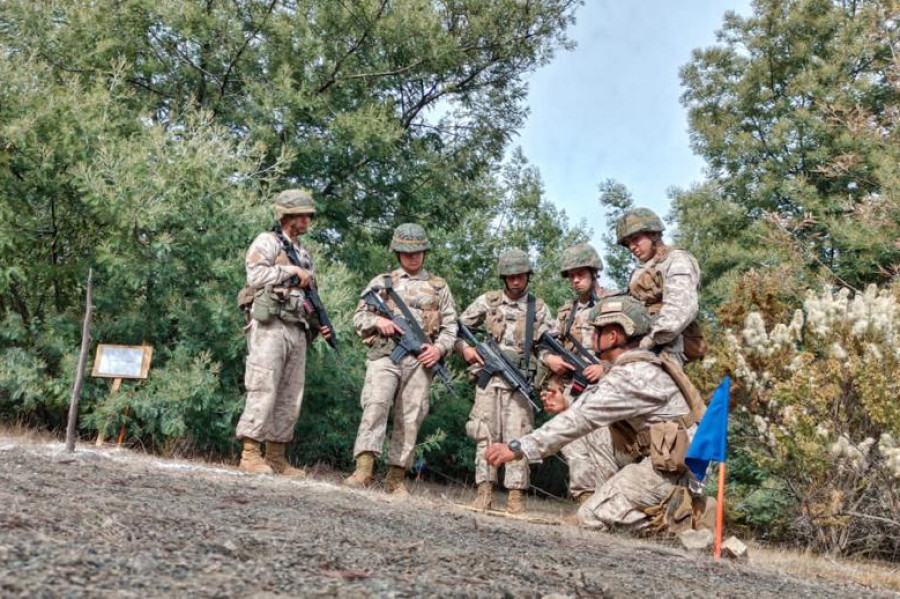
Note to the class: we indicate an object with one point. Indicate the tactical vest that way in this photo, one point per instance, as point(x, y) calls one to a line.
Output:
point(275, 301)
point(665, 443)
point(426, 301)
point(649, 288)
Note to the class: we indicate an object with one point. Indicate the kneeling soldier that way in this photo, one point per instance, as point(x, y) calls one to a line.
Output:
point(652, 411)
point(515, 319)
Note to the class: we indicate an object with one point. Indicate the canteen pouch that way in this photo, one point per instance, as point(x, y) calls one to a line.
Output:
point(266, 306)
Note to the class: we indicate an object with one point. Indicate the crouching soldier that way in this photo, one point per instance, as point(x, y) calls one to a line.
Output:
point(515, 319)
point(279, 269)
point(652, 411)
point(403, 384)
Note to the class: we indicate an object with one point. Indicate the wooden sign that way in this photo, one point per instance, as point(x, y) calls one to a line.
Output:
point(122, 361)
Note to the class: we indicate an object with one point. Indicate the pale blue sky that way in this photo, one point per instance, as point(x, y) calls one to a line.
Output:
point(610, 108)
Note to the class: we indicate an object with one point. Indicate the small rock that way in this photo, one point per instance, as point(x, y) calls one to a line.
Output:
point(734, 548)
point(696, 540)
point(64, 457)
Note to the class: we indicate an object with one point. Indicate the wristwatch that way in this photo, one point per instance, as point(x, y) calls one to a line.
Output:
point(516, 447)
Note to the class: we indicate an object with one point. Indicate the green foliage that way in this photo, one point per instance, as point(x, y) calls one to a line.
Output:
point(616, 199)
point(795, 113)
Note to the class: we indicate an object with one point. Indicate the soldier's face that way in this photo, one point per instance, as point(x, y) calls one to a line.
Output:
point(581, 280)
point(297, 224)
point(411, 262)
point(516, 285)
point(640, 245)
point(608, 337)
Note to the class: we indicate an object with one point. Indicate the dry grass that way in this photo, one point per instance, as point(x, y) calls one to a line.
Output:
point(879, 575)
point(26, 436)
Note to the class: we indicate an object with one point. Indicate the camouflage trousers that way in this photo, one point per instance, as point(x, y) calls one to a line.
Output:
point(405, 387)
point(499, 416)
point(592, 461)
point(274, 377)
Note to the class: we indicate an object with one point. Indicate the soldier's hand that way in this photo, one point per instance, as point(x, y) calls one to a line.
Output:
point(499, 453)
point(300, 273)
point(554, 400)
point(593, 372)
point(387, 327)
point(470, 354)
point(558, 365)
point(430, 356)
point(325, 332)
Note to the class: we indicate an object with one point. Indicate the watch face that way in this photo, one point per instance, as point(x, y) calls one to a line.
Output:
point(515, 446)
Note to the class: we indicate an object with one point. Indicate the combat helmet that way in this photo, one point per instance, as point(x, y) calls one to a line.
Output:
point(623, 310)
point(294, 201)
point(409, 238)
point(514, 262)
point(637, 220)
point(580, 255)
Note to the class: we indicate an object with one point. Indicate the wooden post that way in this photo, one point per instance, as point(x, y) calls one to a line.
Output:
point(720, 513)
point(117, 382)
point(82, 361)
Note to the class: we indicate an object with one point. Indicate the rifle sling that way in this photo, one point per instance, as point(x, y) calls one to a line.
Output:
point(404, 310)
point(529, 331)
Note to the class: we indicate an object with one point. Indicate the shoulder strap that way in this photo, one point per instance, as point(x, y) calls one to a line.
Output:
point(529, 329)
point(398, 301)
point(676, 373)
point(287, 246)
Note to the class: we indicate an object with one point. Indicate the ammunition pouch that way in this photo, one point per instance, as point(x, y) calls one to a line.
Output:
point(668, 446)
point(665, 443)
point(269, 304)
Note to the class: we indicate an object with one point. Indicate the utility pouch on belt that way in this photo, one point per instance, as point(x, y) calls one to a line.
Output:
point(266, 305)
point(668, 446)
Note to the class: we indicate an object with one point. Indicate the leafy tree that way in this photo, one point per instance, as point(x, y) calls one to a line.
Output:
point(616, 199)
point(795, 112)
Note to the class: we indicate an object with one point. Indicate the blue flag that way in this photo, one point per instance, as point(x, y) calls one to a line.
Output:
point(711, 440)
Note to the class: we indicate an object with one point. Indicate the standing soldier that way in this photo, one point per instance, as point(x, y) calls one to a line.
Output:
point(667, 281)
point(405, 385)
point(279, 330)
point(651, 409)
point(591, 459)
point(500, 413)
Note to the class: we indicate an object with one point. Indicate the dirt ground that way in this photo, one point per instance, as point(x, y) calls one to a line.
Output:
point(110, 522)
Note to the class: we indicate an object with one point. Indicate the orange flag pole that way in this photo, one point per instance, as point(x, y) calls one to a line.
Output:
point(720, 513)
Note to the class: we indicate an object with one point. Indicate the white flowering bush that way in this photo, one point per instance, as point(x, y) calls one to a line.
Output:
point(819, 408)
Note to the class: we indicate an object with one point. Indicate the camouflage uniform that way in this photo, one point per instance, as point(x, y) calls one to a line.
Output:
point(499, 413)
point(591, 459)
point(668, 284)
point(404, 385)
point(276, 364)
point(636, 390)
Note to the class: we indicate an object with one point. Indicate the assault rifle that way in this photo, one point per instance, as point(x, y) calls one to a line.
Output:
point(413, 339)
point(496, 362)
point(579, 381)
point(312, 303)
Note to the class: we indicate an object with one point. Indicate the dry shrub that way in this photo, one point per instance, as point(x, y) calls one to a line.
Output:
point(819, 387)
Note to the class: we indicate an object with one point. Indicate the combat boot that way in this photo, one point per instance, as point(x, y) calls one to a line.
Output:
point(485, 496)
point(395, 481)
point(252, 461)
point(362, 476)
point(279, 464)
point(515, 501)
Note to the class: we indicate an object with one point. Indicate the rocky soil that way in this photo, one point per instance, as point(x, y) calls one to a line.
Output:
point(111, 522)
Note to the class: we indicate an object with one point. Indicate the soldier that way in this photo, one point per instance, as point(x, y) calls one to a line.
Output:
point(591, 459)
point(651, 410)
point(404, 385)
point(499, 412)
point(667, 280)
point(279, 331)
